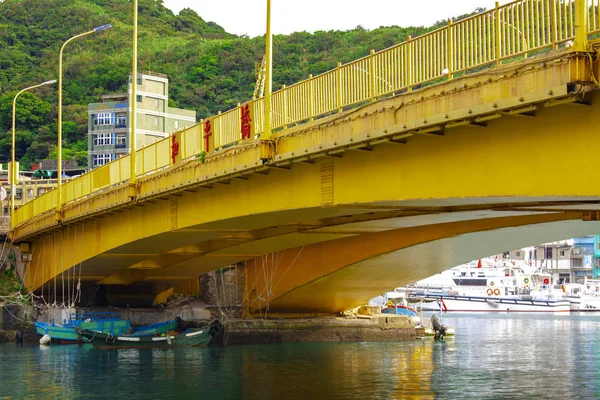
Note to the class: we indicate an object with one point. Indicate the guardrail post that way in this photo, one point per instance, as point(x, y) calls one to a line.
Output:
point(219, 126)
point(373, 81)
point(284, 111)
point(498, 53)
point(553, 25)
point(581, 26)
point(408, 64)
point(450, 50)
point(311, 98)
point(156, 156)
point(339, 86)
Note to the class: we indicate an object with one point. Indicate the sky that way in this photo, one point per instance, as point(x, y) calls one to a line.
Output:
point(248, 17)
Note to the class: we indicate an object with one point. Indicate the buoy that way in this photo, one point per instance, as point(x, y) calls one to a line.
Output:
point(46, 339)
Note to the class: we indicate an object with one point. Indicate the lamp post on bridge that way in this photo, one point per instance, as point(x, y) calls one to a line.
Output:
point(60, 73)
point(133, 104)
point(13, 173)
point(268, 74)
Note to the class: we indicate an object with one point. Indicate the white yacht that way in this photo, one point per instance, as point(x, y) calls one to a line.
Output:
point(504, 288)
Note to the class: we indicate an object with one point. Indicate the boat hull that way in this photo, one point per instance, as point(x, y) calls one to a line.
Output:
point(57, 333)
point(66, 334)
point(476, 304)
point(193, 338)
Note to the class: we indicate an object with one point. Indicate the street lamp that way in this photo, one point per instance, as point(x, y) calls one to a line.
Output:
point(268, 74)
point(133, 103)
point(13, 169)
point(98, 29)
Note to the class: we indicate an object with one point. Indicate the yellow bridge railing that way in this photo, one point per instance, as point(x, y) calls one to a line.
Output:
point(492, 37)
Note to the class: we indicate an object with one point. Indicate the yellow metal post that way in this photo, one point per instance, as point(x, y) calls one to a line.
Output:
point(553, 26)
point(60, 74)
point(409, 63)
point(268, 75)
point(498, 53)
point(284, 113)
point(581, 25)
point(13, 170)
point(373, 80)
point(133, 101)
point(338, 83)
point(450, 49)
point(311, 97)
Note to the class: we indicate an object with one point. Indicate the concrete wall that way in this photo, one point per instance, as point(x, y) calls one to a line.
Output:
point(223, 288)
point(4, 225)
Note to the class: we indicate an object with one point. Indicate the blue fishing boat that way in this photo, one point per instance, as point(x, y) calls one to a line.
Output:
point(399, 309)
point(105, 322)
point(94, 320)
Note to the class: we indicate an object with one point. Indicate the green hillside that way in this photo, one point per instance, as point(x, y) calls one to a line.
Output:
point(209, 69)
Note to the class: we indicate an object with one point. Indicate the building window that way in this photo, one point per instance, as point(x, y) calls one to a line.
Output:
point(576, 262)
point(120, 142)
point(41, 191)
point(562, 253)
point(121, 121)
point(139, 80)
point(518, 254)
point(29, 193)
point(548, 253)
point(102, 159)
point(104, 119)
point(103, 139)
point(139, 98)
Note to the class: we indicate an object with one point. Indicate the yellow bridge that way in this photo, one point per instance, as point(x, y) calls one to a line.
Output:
point(474, 139)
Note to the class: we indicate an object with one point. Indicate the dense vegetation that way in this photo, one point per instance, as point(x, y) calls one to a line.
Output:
point(9, 280)
point(209, 69)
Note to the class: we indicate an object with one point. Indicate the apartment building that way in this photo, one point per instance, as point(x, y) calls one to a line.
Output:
point(109, 120)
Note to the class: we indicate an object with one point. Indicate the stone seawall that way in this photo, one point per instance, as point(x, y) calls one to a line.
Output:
point(325, 329)
point(15, 318)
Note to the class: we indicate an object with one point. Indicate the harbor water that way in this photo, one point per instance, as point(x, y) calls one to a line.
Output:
point(491, 357)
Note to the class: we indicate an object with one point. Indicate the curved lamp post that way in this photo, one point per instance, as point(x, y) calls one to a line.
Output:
point(59, 169)
point(13, 169)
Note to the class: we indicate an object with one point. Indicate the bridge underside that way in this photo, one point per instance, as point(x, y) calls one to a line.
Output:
point(353, 205)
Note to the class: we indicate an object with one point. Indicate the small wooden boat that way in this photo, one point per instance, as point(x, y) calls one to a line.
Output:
point(93, 320)
point(187, 338)
point(105, 322)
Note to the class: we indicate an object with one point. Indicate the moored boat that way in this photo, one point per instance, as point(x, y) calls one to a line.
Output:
point(104, 322)
point(479, 304)
point(189, 338)
point(93, 320)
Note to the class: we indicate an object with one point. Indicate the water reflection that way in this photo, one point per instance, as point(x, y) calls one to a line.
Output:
point(491, 357)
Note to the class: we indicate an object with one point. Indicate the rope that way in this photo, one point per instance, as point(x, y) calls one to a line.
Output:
point(68, 264)
point(54, 254)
